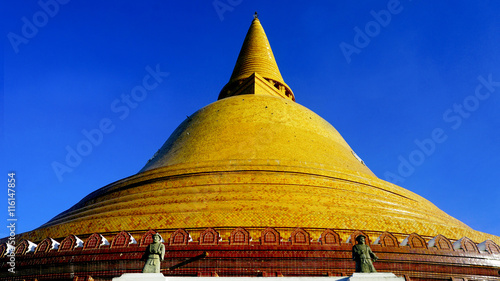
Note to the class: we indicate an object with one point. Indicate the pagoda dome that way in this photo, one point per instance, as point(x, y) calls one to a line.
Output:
point(258, 129)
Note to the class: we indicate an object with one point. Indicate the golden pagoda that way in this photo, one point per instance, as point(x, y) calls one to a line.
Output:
point(256, 160)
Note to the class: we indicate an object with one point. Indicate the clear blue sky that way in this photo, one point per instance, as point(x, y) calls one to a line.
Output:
point(429, 73)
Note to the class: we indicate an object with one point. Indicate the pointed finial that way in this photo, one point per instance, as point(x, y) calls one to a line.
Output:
point(256, 56)
point(255, 16)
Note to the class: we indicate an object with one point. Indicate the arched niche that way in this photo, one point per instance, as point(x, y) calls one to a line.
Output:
point(147, 238)
point(330, 237)
point(122, 239)
point(209, 237)
point(95, 241)
point(180, 237)
point(466, 245)
point(352, 238)
point(46, 245)
point(270, 236)
point(239, 236)
point(441, 243)
point(300, 237)
point(25, 247)
point(386, 239)
point(489, 247)
point(70, 243)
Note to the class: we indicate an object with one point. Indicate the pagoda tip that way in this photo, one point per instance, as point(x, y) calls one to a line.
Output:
point(255, 16)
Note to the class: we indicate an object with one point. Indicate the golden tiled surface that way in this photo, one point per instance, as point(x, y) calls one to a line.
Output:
point(256, 56)
point(251, 127)
point(258, 196)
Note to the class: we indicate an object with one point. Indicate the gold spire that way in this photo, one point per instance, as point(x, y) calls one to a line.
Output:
point(256, 56)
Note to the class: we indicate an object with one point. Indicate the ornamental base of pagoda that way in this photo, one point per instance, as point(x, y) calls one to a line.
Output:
point(290, 253)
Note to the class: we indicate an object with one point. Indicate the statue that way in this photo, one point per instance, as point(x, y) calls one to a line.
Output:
point(154, 255)
point(363, 256)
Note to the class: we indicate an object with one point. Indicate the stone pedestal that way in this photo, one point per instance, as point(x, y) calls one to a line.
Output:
point(140, 277)
point(374, 277)
point(354, 277)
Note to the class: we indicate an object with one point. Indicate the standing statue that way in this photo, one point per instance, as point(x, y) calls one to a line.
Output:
point(363, 256)
point(154, 255)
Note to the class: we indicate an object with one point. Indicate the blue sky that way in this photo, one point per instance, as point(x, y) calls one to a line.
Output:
point(413, 87)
